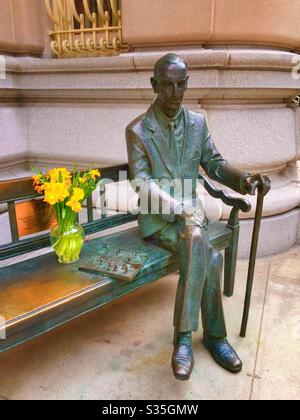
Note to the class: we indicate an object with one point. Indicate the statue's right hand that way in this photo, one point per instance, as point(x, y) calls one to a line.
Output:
point(192, 219)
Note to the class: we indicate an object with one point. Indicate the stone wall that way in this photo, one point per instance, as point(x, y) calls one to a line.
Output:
point(241, 59)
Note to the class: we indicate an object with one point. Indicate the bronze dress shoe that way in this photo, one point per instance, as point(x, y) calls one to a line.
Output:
point(182, 358)
point(223, 354)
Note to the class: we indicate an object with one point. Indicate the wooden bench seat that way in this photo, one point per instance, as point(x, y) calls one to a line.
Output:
point(39, 294)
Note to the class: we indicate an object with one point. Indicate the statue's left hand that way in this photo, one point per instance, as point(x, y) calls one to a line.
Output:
point(262, 182)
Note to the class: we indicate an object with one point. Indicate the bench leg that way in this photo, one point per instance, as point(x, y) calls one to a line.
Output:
point(230, 263)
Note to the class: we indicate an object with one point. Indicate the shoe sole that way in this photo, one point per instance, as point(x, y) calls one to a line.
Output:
point(182, 378)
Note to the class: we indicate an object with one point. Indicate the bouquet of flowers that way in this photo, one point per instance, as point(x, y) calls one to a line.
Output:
point(66, 192)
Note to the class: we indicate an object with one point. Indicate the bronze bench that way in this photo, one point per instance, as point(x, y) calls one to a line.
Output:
point(39, 294)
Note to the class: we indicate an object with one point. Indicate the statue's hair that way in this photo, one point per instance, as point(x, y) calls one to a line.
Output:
point(163, 62)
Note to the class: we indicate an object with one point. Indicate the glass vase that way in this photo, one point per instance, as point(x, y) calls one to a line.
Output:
point(67, 241)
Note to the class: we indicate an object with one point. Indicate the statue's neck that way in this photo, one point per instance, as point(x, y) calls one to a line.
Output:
point(169, 113)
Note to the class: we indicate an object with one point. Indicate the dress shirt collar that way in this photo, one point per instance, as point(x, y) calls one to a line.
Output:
point(163, 119)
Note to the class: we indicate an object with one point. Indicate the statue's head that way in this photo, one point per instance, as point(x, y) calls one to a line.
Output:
point(170, 82)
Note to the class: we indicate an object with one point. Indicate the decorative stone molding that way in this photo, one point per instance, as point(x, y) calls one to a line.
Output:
point(214, 75)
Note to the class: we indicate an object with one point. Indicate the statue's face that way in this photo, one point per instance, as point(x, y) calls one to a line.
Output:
point(170, 85)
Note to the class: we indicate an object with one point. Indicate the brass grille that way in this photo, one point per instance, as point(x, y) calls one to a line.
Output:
point(85, 28)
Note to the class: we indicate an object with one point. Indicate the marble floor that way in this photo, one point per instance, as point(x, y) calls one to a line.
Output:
point(123, 350)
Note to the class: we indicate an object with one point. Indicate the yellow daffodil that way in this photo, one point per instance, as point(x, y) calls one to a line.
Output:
point(60, 175)
point(78, 194)
point(55, 192)
point(37, 179)
point(94, 174)
point(40, 188)
point(74, 204)
point(66, 192)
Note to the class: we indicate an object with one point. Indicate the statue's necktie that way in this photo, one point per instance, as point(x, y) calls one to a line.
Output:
point(172, 142)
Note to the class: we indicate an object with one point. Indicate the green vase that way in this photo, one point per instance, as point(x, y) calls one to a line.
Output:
point(67, 242)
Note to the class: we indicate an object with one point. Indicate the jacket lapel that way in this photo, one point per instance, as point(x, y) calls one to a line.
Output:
point(161, 144)
point(189, 142)
point(158, 139)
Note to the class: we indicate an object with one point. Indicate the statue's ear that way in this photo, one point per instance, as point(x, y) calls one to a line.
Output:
point(154, 84)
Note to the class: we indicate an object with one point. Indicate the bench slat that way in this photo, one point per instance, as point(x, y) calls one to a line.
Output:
point(18, 189)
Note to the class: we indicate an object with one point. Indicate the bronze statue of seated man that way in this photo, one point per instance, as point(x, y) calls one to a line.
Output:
point(170, 143)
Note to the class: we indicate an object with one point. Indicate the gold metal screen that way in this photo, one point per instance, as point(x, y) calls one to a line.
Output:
point(85, 28)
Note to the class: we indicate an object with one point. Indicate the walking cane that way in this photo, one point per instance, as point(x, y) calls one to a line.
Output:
point(254, 245)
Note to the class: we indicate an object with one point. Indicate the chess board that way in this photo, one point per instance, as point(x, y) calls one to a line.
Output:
point(117, 264)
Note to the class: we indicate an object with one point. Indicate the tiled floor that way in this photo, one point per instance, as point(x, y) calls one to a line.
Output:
point(123, 350)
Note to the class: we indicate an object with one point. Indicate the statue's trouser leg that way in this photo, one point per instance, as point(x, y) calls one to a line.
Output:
point(212, 307)
point(193, 250)
point(200, 281)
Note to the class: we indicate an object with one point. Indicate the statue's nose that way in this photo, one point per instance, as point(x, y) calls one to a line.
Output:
point(176, 89)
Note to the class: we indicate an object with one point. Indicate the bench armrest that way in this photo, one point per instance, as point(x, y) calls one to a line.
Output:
point(236, 202)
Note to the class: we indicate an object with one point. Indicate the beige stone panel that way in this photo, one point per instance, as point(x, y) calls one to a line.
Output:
point(29, 32)
point(159, 22)
point(13, 137)
point(283, 197)
point(92, 133)
point(257, 21)
point(6, 26)
point(277, 234)
point(254, 137)
point(22, 26)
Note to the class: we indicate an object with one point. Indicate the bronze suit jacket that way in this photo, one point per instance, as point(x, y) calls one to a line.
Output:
point(149, 160)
